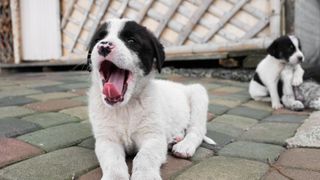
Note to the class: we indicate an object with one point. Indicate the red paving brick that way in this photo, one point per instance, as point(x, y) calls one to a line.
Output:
point(172, 166)
point(289, 173)
point(12, 150)
point(53, 105)
point(302, 158)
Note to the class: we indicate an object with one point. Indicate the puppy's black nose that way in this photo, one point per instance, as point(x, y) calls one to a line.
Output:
point(105, 47)
point(300, 58)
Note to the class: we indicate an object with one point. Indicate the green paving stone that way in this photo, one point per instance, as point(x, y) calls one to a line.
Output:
point(58, 137)
point(231, 97)
point(228, 168)
point(225, 102)
point(12, 127)
point(249, 112)
point(289, 118)
point(266, 106)
point(18, 92)
point(220, 138)
point(217, 109)
point(82, 99)
point(271, 132)
point(88, 143)
point(53, 95)
point(15, 101)
point(227, 89)
point(251, 150)
point(46, 120)
point(224, 128)
point(48, 89)
point(58, 165)
point(236, 121)
point(201, 154)
point(14, 111)
point(79, 112)
point(31, 83)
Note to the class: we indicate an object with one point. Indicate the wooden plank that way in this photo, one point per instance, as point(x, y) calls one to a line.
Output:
point(67, 14)
point(86, 14)
point(251, 10)
point(102, 11)
point(164, 21)
point(256, 29)
point(143, 11)
point(122, 9)
point(228, 36)
point(224, 20)
point(192, 22)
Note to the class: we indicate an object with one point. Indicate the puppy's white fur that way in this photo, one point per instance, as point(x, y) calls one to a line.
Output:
point(152, 114)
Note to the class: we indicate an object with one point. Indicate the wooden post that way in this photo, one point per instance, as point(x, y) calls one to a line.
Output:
point(16, 30)
point(275, 23)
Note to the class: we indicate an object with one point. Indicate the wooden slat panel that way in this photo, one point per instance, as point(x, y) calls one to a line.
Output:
point(68, 13)
point(143, 11)
point(256, 29)
point(192, 22)
point(224, 20)
point(251, 10)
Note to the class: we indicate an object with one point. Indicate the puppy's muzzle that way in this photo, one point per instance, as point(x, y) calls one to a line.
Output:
point(105, 47)
point(300, 58)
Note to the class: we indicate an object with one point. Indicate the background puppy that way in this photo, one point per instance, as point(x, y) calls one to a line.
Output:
point(285, 50)
point(130, 112)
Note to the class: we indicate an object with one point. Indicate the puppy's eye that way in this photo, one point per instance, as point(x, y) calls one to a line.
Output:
point(291, 47)
point(131, 40)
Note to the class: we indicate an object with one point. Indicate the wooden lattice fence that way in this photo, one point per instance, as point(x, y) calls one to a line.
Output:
point(6, 38)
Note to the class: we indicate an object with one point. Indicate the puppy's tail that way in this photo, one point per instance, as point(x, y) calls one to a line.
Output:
point(208, 140)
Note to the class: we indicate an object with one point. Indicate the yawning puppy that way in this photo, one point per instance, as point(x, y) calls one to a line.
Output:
point(130, 112)
point(283, 52)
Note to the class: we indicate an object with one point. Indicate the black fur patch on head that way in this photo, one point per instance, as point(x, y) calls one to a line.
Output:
point(100, 33)
point(145, 44)
point(282, 48)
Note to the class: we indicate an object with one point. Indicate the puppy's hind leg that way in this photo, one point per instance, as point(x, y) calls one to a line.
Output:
point(195, 133)
point(315, 104)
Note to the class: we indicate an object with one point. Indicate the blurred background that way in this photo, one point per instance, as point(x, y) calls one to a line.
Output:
point(38, 34)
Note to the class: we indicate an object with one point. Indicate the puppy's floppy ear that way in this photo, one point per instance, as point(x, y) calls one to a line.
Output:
point(274, 49)
point(159, 54)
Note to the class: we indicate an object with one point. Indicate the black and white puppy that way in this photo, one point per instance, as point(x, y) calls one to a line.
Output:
point(283, 52)
point(130, 112)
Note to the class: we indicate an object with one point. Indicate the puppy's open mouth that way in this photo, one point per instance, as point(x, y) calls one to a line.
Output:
point(114, 82)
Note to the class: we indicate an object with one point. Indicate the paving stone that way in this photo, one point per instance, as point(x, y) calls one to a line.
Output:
point(52, 95)
point(48, 89)
point(201, 154)
point(53, 105)
point(217, 109)
point(82, 99)
point(249, 112)
point(270, 132)
point(224, 128)
point(31, 83)
point(225, 90)
point(15, 101)
point(220, 167)
point(79, 112)
point(302, 158)
point(231, 97)
point(75, 86)
point(12, 150)
point(236, 121)
point(80, 92)
point(225, 102)
point(95, 174)
point(254, 151)
point(12, 127)
point(306, 112)
point(265, 106)
point(285, 118)
point(60, 164)
point(58, 137)
point(296, 174)
point(211, 86)
point(88, 143)
point(172, 166)
point(18, 92)
point(220, 138)
point(14, 111)
point(46, 120)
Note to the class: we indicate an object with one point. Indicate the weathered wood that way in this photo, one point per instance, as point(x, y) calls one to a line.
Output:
point(122, 9)
point(68, 13)
point(224, 20)
point(275, 22)
point(256, 29)
point(192, 21)
point(143, 11)
point(251, 10)
point(164, 21)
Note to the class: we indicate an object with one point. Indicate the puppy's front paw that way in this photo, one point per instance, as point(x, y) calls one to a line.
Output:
point(115, 176)
point(297, 81)
point(277, 106)
point(297, 106)
point(184, 149)
point(140, 175)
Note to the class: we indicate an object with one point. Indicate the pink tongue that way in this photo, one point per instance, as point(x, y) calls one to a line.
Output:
point(113, 88)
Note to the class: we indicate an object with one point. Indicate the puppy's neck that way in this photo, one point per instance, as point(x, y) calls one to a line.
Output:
point(276, 60)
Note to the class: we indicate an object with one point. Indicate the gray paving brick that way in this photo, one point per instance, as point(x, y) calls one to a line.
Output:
point(224, 128)
point(14, 111)
point(18, 92)
point(243, 123)
point(88, 143)
point(251, 150)
point(217, 109)
point(46, 120)
point(249, 112)
point(220, 167)
point(58, 137)
point(79, 112)
point(15, 101)
point(201, 154)
point(12, 127)
point(48, 89)
point(270, 132)
point(220, 138)
point(288, 118)
point(52, 95)
point(60, 164)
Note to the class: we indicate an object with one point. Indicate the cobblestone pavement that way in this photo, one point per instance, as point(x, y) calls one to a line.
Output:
point(45, 133)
